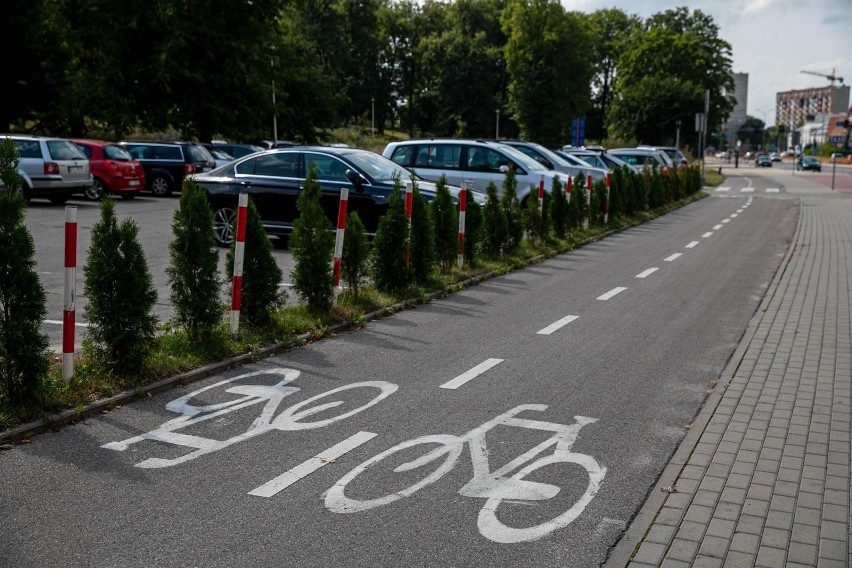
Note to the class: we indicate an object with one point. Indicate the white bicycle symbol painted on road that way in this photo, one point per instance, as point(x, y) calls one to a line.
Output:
point(292, 418)
point(493, 486)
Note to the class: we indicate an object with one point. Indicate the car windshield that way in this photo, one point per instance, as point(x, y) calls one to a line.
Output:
point(522, 159)
point(117, 153)
point(378, 167)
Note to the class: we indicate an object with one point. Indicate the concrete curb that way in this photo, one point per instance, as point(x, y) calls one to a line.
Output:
point(620, 555)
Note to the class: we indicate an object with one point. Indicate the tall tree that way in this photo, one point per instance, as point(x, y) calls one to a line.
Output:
point(663, 75)
point(550, 71)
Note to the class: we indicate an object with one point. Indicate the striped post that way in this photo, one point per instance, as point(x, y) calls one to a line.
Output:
point(239, 255)
point(541, 189)
point(462, 210)
point(588, 201)
point(341, 228)
point(606, 203)
point(568, 184)
point(409, 204)
point(540, 203)
point(68, 312)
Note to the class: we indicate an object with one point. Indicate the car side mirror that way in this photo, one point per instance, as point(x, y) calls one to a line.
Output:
point(356, 179)
point(504, 168)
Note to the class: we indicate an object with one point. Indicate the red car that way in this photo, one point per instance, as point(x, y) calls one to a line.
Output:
point(113, 169)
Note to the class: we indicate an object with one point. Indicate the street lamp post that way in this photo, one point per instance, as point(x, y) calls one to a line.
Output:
point(763, 131)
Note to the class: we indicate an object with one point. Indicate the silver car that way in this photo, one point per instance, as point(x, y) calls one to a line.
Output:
point(53, 168)
point(472, 162)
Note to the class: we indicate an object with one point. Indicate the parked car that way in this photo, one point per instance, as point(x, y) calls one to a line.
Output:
point(221, 157)
point(237, 150)
point(763, 161)
point(597, 157)
point(553, 161)
point(274, 179)
point(167, 164)
point(675, 155)
point(473, 162)
point(809, 163)
point(52, 168)
point(641, 158)
point(114, 170)
point(775, 157)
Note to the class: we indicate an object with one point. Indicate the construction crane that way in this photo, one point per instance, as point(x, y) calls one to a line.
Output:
point(831, 77)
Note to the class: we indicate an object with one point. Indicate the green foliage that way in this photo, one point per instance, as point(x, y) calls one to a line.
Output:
point(9, 161)
point(558, 208)
point(495, 226)
point(312, 245)
point(549, 69)
point(422, 238)
point(192, 273)
point(261, 292)
point(354, 263)
point(446, 222)
point(23, 349)
point(512, 209)
point(533, 219)
point(391, 274)
point(473, 223)
point(121, 294)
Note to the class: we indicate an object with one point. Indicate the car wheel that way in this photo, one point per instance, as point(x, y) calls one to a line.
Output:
point(59, 198)
point(96, 191)
point(160, 186)
point(224, 219)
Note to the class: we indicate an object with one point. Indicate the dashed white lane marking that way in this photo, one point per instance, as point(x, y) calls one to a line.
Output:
point(747, 190)
point(290, 477)
point(692, 244)
point(646, 273)
point(734, 215)
point(59, 322)
point(707, 234)
point(556, 325)
point(772, 190)
point(611, 293)
point(471, 374)
point(725, 220)
point(717, 227)
point(723, 189)
point(675, 256)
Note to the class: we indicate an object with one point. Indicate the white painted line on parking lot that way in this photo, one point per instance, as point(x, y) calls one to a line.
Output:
point(675, 256)
point(717, 227)
point(747, 190)
point(290, 477)
point(59, 322)
point(646, 273)
point(772, 190)
point(556, 325)
point(725, 220)
point(734, 215)
point(707, 235)
point(692, 244)
point(472, 374)
point(723, 189)
point(612, 293)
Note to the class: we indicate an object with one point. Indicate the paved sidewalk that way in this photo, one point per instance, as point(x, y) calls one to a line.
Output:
point(763, 477)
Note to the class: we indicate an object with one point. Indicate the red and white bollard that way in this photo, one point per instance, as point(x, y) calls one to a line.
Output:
point(606, 203)
point(568, 183)
point(341, 228)
point(68, 311)
point(541, 190)
point(239, 255)
point(409, 204)
point(462, 210)
point(588, 201)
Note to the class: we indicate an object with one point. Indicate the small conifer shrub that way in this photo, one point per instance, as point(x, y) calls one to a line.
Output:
point(473, 232)
point(391, 274)
point(512, 208)
point(446, 222)
point(121, 293)
point(354, 263)
point(495, 229)
point(558, 208)
point(422, 238)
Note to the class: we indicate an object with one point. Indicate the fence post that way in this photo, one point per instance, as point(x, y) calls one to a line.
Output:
point(568, 183)
point(462, 210)
point(606, 203)
point(68, 308)
point(409, 202)
point(239, 255)
point(588, 201)
point(341, 228)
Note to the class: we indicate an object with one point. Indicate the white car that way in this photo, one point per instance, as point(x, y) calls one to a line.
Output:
point(472, 162)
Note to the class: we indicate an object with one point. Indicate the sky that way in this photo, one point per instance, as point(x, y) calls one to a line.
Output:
point(771, 40)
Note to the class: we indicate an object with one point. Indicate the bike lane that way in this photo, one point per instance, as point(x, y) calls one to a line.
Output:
point(592, 367)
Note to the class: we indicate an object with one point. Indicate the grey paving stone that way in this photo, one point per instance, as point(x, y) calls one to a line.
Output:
point(683, 550)
point(833, 549)
point(756, 507)
point(707, 562)
point(775, 538)
point(742, 542)
point(736, 559)
point(691, 531)
point(729, 511)
point(751, 524)
point(804, 534)
point(738, 481)
point(660, 534)
point(828, 563)
point(807, 516)
point(670, 516)
point(802, 553)
point(698, 514)
point(650, 553)
point(670, 563)
point(732, 495)
point(833, 530)
point(835, 512)
point(783, 504)
point(761, 492)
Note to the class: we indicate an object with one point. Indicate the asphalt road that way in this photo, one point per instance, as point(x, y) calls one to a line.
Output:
point(611, 348)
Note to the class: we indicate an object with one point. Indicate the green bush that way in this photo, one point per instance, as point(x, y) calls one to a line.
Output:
point(422, 238)
point(472, 232)
point(24, 359)
point(354, 263)
point(512, 208)
point(391, 274)
point(495, 227)
point(121, 294)
point(312, 245)
point(261, 291)
point(446, 222)
point(192, 273)
point(558, 208)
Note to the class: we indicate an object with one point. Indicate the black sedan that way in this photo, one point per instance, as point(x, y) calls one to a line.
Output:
point(274, 179)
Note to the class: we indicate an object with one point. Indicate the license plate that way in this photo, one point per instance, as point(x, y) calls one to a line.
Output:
point(134, 182)
point(75, 169)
